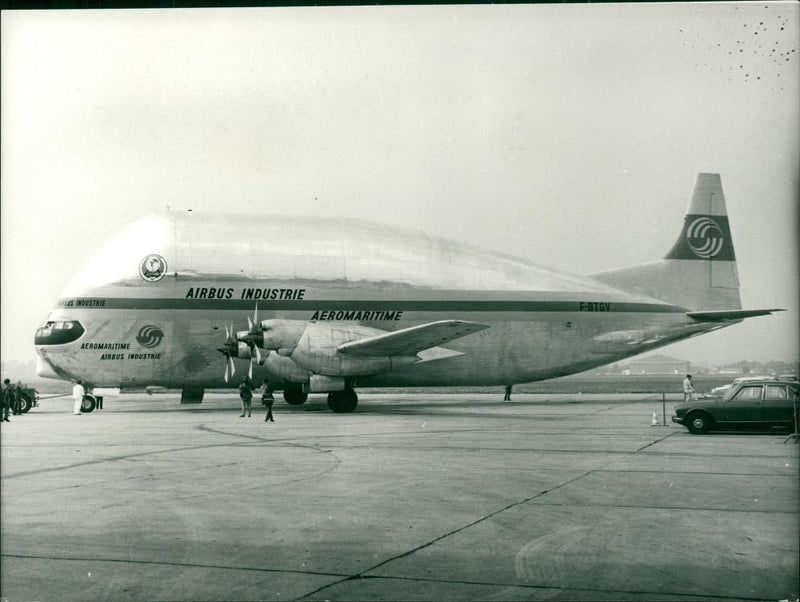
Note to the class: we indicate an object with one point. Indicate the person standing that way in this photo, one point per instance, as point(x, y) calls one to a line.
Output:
point(508, 393)
point(18, 398)
point(11, 395)
point(77, 397)
point(267, 399)
point(6, 399)
point(246, 393)
point(688, 388)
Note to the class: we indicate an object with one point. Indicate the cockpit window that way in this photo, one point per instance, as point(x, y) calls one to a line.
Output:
point(58, 333)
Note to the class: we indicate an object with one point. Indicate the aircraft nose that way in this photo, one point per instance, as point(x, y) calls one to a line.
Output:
point(44, 369)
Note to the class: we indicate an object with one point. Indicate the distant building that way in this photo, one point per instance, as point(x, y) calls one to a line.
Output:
point(657, 364)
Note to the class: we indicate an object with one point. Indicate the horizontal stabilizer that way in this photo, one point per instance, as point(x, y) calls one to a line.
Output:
point(411, 340)
point(729, 314)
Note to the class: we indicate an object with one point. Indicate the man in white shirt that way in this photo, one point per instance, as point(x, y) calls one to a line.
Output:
point(688, 388)
point(77, 397)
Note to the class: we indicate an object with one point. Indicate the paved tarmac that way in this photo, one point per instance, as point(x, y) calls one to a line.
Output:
point(412, 497)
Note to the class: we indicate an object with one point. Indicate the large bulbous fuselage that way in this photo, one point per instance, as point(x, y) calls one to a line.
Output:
point(157, 302)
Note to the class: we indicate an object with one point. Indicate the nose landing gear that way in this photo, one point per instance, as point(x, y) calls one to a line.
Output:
point(88, 404)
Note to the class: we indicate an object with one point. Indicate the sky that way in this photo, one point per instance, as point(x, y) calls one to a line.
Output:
point(569, 135)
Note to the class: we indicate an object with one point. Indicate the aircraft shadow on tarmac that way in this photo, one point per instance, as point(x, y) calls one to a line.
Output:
point(450, 406)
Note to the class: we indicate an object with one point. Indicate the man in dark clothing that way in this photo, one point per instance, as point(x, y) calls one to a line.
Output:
point(246, 393)
point(267, 399)
point(7, 394)
point(17, 399)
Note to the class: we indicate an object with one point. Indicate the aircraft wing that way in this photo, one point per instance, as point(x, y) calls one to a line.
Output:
point(409, 341)
point(728, 314)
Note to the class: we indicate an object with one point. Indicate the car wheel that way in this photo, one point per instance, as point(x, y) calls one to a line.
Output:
point(698, 423)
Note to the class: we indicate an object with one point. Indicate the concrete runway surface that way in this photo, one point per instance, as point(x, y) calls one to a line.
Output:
point(412, 497)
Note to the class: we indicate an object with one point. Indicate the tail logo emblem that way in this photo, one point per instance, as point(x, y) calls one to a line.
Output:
point(150, 336)
point(152, 268)
point(705, 237)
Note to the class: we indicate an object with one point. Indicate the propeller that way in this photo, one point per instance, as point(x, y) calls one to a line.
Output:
point(253, 337)
point(245, 345)
point(229, 349)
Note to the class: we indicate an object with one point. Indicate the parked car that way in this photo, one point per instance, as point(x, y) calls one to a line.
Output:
point(758, 403)
point(722, 388)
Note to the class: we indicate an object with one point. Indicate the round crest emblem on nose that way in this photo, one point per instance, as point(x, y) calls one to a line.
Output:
point(152, 268)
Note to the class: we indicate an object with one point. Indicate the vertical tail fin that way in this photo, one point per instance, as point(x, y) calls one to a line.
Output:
point(706, 234)
point(699, 272)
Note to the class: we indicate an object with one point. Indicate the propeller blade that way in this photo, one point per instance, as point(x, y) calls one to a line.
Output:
point(228, 349)
point(258, 354)
point(250, 369)
point(249, 324)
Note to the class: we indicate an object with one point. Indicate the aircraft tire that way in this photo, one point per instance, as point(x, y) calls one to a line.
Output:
point(88, 404)
point(295, 397)
point(343, 402)
point(25, 403)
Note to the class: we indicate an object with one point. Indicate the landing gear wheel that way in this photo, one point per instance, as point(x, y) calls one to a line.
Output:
point(25, 403)
point(343, 402)
point(88, 404)
point(699, 423)
point(295, 397)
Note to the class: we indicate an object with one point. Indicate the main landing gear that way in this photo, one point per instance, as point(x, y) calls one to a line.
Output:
point(295, 397)
point(343, 402)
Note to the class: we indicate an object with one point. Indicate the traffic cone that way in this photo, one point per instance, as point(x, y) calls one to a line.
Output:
point(655, 420)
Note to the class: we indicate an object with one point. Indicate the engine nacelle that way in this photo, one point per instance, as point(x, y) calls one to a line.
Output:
point(335, 364)
point(282, 335)
point(325, 384)
point(316, 351)
point(284, 368)
point(311, 347)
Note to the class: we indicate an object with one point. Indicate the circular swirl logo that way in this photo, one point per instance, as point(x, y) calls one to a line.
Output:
point(705, 237)
point(153, 267)
point(150, 336)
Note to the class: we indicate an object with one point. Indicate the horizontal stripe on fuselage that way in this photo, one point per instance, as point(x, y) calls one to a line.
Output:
point(373, 305)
